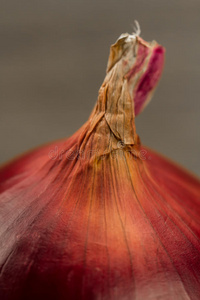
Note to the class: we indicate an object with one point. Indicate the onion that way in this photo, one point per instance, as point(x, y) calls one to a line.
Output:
point(98, 215)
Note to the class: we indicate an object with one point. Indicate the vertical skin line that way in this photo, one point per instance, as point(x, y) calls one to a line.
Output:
point(168, 206)
point(19, 217)
point(162, 210)
point(147, 218)
point(122, 225)
point(142, 245)
point(105, 220)
point(74, 209)
point(37, 217)
point(88, 225)
point(55, 221)
point(172, 196)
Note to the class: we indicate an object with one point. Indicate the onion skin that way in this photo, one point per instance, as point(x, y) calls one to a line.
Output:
point(81, 220)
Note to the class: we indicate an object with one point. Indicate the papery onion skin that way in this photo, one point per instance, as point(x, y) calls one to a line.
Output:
point(98, 215)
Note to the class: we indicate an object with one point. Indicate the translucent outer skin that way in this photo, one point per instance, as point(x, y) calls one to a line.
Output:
point(98, 216)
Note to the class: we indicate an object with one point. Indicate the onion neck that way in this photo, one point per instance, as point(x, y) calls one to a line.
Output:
point(111, 125)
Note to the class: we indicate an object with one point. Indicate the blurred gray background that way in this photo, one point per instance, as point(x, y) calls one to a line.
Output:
point(53, 57)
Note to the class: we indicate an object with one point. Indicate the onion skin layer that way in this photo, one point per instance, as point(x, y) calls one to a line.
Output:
point(80, 220)
point(66, 235)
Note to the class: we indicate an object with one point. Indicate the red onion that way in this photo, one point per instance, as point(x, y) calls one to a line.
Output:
point(97, 215)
